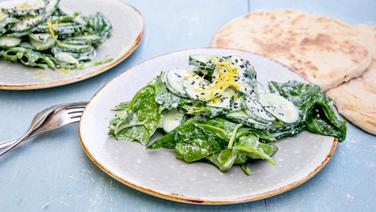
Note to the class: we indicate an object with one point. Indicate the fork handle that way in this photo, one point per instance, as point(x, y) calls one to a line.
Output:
point(11, 144)
point(8, 143)
point(5, 144)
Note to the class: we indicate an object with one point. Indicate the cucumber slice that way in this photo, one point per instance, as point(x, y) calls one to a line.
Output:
point(243, 117)
point(17, 34)
point(6, 22)
point(23, 7)
point(172, 119)
point(252, 89)
point(279, 107)
point(84, 40)
point(84, 56)
point(197, 87)
point(41, 37)
point(75, 48)
point(28, 23)
point(205, 62)
point(41, 46)
point(27, 45)
point(61, 28)
point(8, 42)
point(245, 69)
point(173, 80)
point(256, 111)
point(66, 58)
point(229, 99)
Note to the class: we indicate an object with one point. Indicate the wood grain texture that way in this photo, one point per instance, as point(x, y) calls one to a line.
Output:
point(52, 173)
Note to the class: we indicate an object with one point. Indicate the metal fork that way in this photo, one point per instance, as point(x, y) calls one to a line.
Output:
point(49, 119)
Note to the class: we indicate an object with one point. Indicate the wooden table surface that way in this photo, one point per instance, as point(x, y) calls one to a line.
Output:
point(52, 172)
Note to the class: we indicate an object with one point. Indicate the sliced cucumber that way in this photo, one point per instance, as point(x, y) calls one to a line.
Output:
point(245, 69)
point(61, 28)
point(75, 48)
point(23, 8)
point(26, 45)
point(3, 16)
point(256, 111)
point(8, 42)
point(85, 56)
point(66, 58)
point(205, 62)
point(41, 37)
point(172, 119)
point(247, 89)
point(173, 80)
point(243, 117)
point(197, 87)
point(229, 99)
point(84, 40)
point(41, 46)
point(17, 34)
point(279, 107)
point(28, 23)
point(6, 22)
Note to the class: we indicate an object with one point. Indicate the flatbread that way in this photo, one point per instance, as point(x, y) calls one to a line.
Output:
point(323, 50)
point(356, 99)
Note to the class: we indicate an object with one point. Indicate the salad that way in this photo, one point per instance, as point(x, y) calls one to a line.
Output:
point(38, 33)
point(219, 113)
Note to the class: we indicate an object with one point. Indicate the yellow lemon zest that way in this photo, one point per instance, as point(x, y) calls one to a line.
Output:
point(24, 6)
point(226, 79)
point(51, 30)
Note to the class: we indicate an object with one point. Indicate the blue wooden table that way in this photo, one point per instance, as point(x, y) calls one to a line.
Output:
point(52, 172)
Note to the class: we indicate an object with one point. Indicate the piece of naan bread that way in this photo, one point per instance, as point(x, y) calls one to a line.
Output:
point(356, 99)
point(323, 50)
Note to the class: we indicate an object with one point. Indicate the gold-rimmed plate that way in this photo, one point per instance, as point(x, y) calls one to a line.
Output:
point(158, 173)
point(128, 29)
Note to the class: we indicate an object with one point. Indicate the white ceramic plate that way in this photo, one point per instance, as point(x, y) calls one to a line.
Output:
point(128, 28)
point(158, 172)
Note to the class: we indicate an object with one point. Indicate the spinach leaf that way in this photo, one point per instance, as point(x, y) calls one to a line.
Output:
point(224, 159)
point(186, 133)
point(245, 168)
point(218, 126)
point(139, 119)
point(203, 110)
point(251, 145)
point(323, 127)
point(264, 136)
point(289, 131)
point(317, 114)
point(163, 96)
point(195, 150)
point(122, 106)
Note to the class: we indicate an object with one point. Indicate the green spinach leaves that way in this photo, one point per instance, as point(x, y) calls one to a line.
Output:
point(199, 130)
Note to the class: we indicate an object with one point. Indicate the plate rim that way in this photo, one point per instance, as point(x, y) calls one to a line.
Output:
point(91, 74)
point(184, 199)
